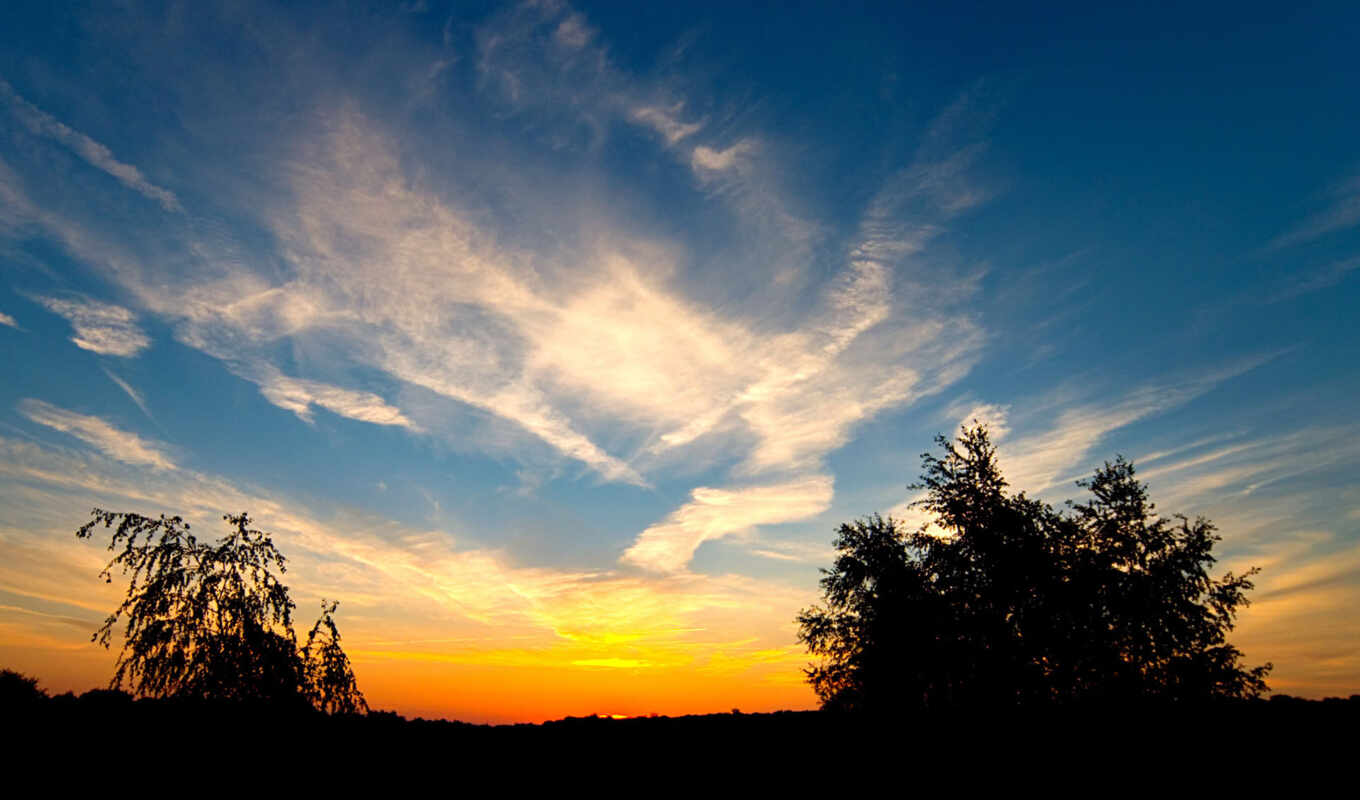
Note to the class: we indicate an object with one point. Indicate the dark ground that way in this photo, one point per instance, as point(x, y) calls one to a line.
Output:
point(1251, 734)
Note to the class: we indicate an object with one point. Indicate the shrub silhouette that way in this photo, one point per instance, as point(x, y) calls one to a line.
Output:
point(1020, 604)
point(18, 690)
point(214, 622)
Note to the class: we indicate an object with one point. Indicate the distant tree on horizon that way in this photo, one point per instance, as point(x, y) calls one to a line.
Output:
point(1022, 604)
point(214, 622)
point(18, 690)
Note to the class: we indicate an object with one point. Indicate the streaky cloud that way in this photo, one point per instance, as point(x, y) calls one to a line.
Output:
point(994, 417)
point(1343, 213)
point(406, 282)
point(102, 328)
point(713, 514)
point(707, 159)
point(1036, 461)
point(132, 393)
point(666, 122)
point(1324, 278)
point(114, 442)
point(299, 396)
point(40, 123)
point(1241, 465)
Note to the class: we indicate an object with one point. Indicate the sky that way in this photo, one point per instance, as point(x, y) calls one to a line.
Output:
point(555, 340)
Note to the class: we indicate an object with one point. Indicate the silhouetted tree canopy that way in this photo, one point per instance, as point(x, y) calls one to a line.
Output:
point(214, 622)
point(1018, 603)
point(19, 690)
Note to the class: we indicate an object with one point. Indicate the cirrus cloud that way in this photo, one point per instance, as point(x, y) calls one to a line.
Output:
point(713, 514)
point(122, 445)
point(101, 328)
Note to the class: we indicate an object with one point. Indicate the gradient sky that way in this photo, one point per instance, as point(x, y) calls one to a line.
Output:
point(555, 340)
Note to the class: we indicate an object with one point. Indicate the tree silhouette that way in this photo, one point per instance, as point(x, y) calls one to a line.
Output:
point(18, 691)
point(213, 621)
point(328, 679)
point(1018, 603)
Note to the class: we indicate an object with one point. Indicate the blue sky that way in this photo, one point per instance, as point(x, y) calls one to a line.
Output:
point(571, 332)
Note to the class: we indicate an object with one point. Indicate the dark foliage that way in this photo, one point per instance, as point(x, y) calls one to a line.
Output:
point(19, 690)
point(1022, 604)
point(213, 622)
point(328, 679)
point(268, 742)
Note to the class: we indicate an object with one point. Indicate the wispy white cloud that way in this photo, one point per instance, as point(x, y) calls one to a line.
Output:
point(1036, 458)
point(573, 32)
point(1034, 462)
point(800, 552)
point(132, 393)
point(8, 321)
point(712, 514)
point(666, 121)
point(404, 282)
point(534, 74)
point(862, 351)
point(298, 396)
point(122, 445)
point(417, 290)
point(1318, 279)
point(1240, 465)
point(944, 171)
point(994, 417)
point(40, 123)
point(599, 344)
point(707, 159)
point(102, 328)
point(1344, 212)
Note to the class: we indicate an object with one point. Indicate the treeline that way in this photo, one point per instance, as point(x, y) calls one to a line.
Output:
point(193, 742)
point(21, 698)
